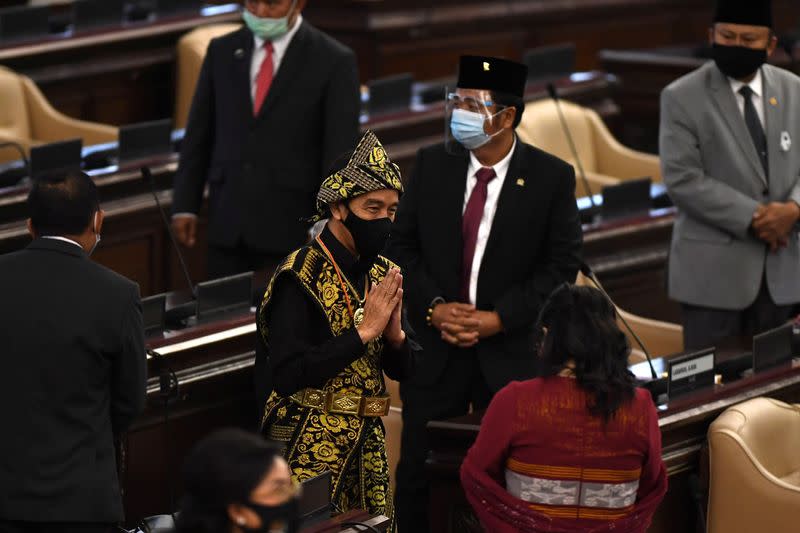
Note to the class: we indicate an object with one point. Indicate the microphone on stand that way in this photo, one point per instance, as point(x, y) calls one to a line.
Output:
point(586, 271)
point(148, 177)
point(551, 90)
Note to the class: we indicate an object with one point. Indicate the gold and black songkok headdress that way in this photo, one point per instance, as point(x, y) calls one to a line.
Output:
point(369, 169)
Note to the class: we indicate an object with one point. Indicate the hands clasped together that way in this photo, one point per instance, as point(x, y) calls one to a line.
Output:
point(462, 325)
point(773, 223)
point(383, 311)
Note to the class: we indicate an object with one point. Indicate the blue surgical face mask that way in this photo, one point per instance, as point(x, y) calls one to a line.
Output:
point(467, 128)
point(267, 28)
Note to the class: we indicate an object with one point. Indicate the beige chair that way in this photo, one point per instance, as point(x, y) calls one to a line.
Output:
point(754, 467)
point(605, 161)
point(661, 338)
point(393, 424)
point(191, 52)
point(27, 118)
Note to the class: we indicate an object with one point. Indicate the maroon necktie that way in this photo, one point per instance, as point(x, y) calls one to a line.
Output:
point(470, 224)
point(264, 78)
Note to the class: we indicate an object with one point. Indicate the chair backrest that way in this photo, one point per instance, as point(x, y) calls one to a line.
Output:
point(14, 119)
point(754, 468)
point(769, 429)
point(191, 52)
point(541, 127)
point(660, 338)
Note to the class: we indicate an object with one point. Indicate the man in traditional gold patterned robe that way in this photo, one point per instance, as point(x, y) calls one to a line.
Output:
point(330, 325)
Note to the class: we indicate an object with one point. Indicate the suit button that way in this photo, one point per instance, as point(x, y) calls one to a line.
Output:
point(248, 167)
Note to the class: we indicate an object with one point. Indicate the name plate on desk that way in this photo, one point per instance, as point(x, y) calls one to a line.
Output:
point(690, 372)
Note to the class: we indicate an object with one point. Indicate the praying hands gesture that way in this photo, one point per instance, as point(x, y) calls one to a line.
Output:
point(462, 325)
point(773, 223)
point(382, 311)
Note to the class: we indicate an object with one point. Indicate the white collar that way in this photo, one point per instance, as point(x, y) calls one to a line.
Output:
point(63, 239)
point(500, 169)
point(280, 44)
point(756, 84)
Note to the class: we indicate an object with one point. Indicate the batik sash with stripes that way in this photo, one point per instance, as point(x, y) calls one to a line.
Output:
point(573, 492)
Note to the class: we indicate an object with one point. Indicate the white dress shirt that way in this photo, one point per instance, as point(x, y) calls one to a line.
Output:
point(63, 239)
point(757, 86)
point(279, 47)
point(489, 209)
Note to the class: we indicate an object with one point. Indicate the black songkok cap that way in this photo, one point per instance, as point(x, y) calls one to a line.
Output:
point(492, 74)
point(748, 12)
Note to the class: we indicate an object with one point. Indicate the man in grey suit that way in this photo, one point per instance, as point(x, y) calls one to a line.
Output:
point(730, 156)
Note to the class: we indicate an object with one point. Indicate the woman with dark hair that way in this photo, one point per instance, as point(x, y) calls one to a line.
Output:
point(237, 482)
point(577, 449)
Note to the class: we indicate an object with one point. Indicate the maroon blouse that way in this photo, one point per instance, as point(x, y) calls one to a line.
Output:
point(542, 462)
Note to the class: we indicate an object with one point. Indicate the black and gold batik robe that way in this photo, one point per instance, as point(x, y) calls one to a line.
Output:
point(308, 333)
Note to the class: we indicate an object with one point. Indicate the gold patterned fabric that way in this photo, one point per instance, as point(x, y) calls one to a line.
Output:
point(352, 447)
point(369, 169)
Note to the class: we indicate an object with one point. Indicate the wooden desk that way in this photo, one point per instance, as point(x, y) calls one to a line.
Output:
point(684, 425)
point(643, 74)
point(115, 74)
point(135, 242)
point(426, 38)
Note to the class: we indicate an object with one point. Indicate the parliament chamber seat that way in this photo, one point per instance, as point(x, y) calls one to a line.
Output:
point(605, 161)
point(393, 425)
point(662, 339)
point(755, 468)
point(191, 51)
point(27, 118)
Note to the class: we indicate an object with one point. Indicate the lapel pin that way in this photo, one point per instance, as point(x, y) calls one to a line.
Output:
point(520, 182)
point(773, 101)
point(239, 53)
point(786, 141)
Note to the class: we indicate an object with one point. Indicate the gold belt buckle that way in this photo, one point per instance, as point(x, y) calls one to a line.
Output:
point(375, 406)
point(313, 398)
point(344, 404)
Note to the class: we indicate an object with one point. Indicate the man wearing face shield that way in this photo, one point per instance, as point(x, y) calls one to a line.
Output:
point(730, 155)
point(488, 228)
point(276, 102)
point(330, 325)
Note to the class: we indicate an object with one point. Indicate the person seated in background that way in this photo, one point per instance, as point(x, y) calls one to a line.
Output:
point(236, 482)
point(578, 449)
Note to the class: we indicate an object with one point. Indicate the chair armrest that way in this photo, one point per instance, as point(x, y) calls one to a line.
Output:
point(615, 159)
point(660, 338)
point(50, 125)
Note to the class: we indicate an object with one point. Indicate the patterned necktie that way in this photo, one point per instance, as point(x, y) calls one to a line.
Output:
point(264, 78)
point(470, 224)
point(754, 127)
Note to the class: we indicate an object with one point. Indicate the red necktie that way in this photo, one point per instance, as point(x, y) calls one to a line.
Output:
point(264, 79)
point(470, 224)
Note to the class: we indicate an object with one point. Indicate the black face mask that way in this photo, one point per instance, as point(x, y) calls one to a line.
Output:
point(286, 514)
point(738, 61)
point(369, 236)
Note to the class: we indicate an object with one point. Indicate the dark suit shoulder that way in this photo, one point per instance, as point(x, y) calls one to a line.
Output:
point(233, 40)
point(539, 158)
point(325, 44)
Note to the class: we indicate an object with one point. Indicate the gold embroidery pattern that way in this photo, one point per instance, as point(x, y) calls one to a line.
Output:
point(350, 446)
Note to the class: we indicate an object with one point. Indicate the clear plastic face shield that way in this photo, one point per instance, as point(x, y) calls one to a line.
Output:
point(472, 119)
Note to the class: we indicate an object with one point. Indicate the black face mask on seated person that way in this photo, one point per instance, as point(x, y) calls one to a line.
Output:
point(738, 62)
point(285, 517)
point(369, 236)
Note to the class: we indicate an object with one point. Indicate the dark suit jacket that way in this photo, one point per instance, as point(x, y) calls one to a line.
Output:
point(73, 377)
point(534, 245)
point(263, 172)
